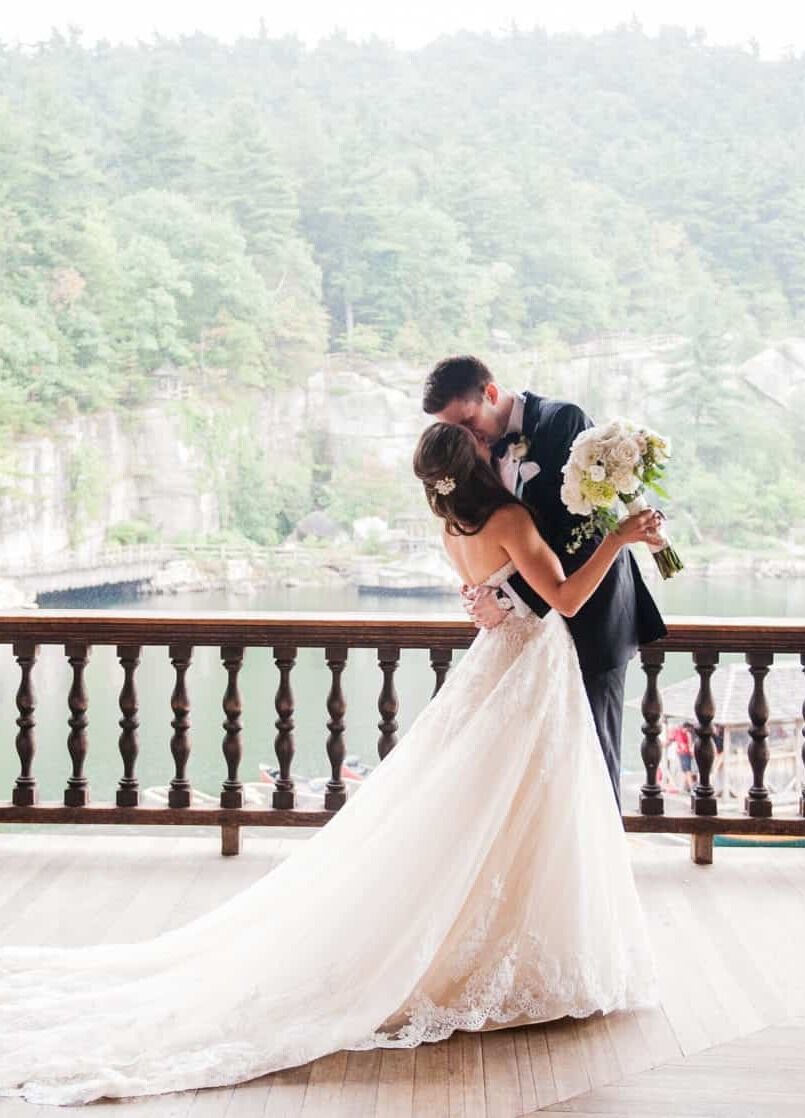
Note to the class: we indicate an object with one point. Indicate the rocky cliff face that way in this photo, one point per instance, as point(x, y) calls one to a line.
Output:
point(68, 487)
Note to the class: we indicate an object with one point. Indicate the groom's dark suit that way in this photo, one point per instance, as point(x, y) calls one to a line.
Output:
point(621, 614)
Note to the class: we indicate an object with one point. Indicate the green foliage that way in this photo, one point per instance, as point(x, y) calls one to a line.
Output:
point(735, 475)
point(125, 533)
point(224, 208)
point(87, 489)
point(363, 487)
point(236, 211)
point(260, 497)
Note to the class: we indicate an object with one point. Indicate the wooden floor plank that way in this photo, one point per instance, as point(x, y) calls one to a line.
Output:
point(501, 1081)
point(661, 1041)
point(39, 903)
point(678, 993)
point(727, 1081)
point(705, 1001)
point(249, 1099)
point(359, 1089)
point(525, 1072)
point(600, 1057)
point(727, 972)
point(173, 1105)
point(733, 911)
point(211, 1103)
point(455, 1076)
point(628, 1042)
point(473, 1073)
point(287, 1095)
point(25, 867)
point(323, 1094)
point(567, 1059)
point(431, 1082)
point(541, 1068)
point(395, 1090)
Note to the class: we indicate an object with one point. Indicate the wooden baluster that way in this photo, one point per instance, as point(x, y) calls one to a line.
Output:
point(336, 794)
point(76, 794)
point(757, 802)
point(25, 793)
point(284, 795)
point(128, 790)
point(802, 795)
point(440, 659)
point(651, 799)
point(180, 792)
point(232, 788)
point(703, 797)
point(388, 657)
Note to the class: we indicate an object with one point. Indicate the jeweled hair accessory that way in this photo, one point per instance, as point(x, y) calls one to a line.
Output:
point(445, 485)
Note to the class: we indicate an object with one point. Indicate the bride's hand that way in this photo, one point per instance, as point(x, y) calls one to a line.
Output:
point(643, 527)
point(481, 604)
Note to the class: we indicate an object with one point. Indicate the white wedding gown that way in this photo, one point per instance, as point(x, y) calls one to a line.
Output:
point(480, 877)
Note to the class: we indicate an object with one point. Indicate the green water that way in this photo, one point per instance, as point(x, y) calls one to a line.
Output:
point(206, 681)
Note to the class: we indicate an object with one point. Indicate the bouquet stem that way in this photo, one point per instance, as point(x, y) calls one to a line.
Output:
point(665, 556)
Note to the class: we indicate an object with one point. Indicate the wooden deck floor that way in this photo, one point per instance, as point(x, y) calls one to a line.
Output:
point(729, 1038)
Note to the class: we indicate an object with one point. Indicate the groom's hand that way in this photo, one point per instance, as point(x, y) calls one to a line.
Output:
point(481, 603)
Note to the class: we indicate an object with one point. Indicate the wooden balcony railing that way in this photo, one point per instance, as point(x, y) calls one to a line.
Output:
point(704, 639)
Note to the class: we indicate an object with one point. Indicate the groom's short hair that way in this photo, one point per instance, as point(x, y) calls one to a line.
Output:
point(454, 378)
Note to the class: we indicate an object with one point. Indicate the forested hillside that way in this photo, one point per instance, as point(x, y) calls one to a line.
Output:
point(238, 211)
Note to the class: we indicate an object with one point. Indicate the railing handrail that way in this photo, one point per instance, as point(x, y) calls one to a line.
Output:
point(362, 630)
point(705, 638)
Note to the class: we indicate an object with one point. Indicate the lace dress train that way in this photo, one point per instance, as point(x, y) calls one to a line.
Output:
point(480, 877)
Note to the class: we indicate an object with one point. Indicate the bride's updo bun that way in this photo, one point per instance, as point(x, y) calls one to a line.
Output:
point(460, 485)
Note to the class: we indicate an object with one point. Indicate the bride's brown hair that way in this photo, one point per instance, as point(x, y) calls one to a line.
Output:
point(462, 488)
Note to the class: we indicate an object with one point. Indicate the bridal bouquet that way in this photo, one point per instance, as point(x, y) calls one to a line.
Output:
point(618, 461)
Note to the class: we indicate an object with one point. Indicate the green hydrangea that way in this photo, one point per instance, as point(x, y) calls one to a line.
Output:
point(601, 494)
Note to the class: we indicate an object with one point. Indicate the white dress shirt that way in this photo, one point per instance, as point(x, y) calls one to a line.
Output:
point(508, 466)
point(510, 471)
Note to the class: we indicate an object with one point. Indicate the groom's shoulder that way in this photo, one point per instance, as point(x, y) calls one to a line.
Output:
point(556, 412)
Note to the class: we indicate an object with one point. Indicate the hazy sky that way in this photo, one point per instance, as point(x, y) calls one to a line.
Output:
point(777, 24)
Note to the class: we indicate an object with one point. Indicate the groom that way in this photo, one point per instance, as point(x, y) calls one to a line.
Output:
point(530, 438)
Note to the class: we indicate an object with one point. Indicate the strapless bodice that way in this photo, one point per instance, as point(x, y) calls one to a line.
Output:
point(498, 577)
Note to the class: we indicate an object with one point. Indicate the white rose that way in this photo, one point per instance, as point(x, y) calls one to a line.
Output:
point(574, 502)
point(587, 453)
point(597, 473)
point(624, 454)
point(572, 483)
point(585, 436)
point(572, 473)
point(615, 429)
point(625, 481)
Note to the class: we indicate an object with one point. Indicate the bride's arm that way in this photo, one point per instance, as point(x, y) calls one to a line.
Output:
point(540, 567)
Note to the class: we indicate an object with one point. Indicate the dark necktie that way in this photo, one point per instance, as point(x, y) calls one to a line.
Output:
point(502, 445)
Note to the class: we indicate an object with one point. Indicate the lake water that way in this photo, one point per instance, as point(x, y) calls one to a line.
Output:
point(730, 597)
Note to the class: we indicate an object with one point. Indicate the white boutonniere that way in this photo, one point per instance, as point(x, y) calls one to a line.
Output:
point(520, 449)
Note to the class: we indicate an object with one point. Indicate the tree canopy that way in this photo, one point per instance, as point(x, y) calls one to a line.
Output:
point(237, 210)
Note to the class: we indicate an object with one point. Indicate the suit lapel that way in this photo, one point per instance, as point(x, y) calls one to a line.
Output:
point(531, 414)
point(532, 422)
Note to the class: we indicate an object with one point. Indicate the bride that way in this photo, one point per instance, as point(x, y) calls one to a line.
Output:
point(479, 878)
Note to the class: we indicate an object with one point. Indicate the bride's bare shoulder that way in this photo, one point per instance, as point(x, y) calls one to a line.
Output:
point(509, 518)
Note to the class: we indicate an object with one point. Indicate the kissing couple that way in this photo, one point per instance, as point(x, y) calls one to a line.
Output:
point(480, 877)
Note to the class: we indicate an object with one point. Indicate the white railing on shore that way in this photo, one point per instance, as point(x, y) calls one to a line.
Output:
point(132, 555)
